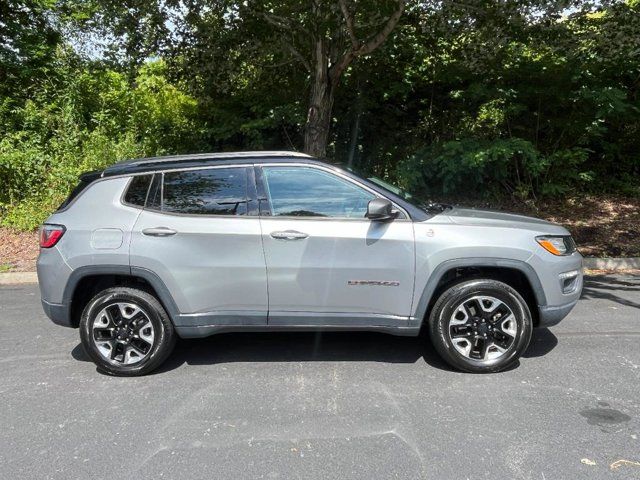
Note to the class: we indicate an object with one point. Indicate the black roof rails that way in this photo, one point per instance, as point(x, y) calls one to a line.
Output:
point(140, 165)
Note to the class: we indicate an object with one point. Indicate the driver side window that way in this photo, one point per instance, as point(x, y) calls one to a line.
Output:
point(309, 192)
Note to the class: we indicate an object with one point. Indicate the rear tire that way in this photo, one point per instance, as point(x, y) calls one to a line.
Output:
point(126, 332)
point(480, 326)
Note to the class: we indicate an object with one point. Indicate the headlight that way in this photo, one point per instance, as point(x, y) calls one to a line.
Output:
point(560, 245)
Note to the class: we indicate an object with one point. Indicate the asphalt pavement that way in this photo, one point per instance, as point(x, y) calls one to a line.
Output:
point(326, 406)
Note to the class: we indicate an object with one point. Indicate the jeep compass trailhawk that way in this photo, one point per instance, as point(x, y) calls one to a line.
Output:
point(150, 249)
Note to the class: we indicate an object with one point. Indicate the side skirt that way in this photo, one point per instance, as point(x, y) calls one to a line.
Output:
point(205, 331)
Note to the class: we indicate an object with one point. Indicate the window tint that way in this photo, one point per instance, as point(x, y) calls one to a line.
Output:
point(219, 191)
point(137, 192)
point(308, 192)
point(155, 192)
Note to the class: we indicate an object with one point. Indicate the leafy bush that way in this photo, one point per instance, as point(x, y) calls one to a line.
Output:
point(513, 100)
point(95, 119)
point(480, 168)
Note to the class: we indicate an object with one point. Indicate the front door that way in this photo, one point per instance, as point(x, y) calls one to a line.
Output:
point(201, 235)
point(326, 263)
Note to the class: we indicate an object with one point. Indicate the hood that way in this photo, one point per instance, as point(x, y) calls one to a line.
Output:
point(469, 216)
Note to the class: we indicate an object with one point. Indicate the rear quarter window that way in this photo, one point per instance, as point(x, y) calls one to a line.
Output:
point(136, 194)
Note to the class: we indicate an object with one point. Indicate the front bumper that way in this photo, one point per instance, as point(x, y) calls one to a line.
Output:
point(557, 303)
point(550, 316)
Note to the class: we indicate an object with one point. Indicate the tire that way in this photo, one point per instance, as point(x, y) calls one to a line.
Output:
point(126, 332)
point(480, 326)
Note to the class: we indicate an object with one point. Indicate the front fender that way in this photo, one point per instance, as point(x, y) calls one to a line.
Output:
point(441, 269)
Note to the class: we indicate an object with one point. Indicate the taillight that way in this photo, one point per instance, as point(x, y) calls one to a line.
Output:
point(50, 234)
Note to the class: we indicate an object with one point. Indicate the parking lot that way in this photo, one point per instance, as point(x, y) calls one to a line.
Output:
point(333, 405)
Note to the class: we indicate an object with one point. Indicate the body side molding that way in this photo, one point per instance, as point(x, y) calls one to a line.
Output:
point(205, 331)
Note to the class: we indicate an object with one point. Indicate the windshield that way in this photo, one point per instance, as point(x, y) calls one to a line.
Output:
point(413, 198)
point(390, 187)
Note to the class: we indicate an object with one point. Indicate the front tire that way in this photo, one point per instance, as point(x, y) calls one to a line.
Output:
point(126, 332)
point(480, 326)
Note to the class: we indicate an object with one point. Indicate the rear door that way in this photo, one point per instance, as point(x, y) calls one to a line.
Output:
point(328, 264)
point(200, 234)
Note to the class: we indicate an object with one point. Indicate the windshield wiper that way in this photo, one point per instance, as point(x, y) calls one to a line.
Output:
point(434, 207)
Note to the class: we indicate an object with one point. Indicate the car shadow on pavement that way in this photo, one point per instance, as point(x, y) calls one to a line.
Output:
point(602, 286)
point(300, 347)
point(316, 347)
point(296, 347)
point(79, 354)
point(542, 342)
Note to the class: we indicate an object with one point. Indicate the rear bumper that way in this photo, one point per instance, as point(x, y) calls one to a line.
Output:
point(53, 275)
point(58, 313)
point(550, 316)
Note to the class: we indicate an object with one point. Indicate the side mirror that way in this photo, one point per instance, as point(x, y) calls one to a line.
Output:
point(381, 210)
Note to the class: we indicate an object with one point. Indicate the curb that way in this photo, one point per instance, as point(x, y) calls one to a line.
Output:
point(17, 278)
point(593, 263)
point(589, 263)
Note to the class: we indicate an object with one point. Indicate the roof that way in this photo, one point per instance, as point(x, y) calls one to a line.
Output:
point(139, 165)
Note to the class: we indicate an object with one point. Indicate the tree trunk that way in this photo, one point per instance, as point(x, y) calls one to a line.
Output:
point(325, 80)
point(355, 129)
point(316, 133)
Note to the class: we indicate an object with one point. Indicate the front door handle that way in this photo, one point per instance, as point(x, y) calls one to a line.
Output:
point(289, 235)
point(159, 232)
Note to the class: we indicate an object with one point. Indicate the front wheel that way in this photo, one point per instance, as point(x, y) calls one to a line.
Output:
point(126, 331)
point(480, 326)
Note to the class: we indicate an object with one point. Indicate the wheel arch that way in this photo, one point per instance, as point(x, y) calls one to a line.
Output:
point(85, 282)
point(515, 273)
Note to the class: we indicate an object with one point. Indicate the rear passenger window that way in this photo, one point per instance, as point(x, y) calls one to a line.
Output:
point(216, 191)
point(137, 191)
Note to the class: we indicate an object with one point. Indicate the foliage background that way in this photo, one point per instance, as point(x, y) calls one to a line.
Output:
point(486, 99)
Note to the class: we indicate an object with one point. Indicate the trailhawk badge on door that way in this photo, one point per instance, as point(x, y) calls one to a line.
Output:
point(378, 283)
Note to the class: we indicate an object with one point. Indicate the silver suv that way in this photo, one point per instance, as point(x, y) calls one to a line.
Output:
point(151, 249)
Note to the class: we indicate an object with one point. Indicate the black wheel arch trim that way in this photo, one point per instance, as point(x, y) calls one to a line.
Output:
point(63, 315)
point(442, 268)
point(164, 296)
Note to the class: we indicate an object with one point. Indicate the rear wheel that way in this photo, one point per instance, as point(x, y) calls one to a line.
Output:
point(126, 331)
point(481, 326)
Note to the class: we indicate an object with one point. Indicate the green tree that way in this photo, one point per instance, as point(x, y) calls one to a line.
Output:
point(28, 39)
point(324, 38)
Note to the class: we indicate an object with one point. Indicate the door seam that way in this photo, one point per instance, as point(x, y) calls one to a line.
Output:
point(266, 268)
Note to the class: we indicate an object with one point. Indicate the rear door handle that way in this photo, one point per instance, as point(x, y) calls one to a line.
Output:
point(289, 235)
point(159, 232)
